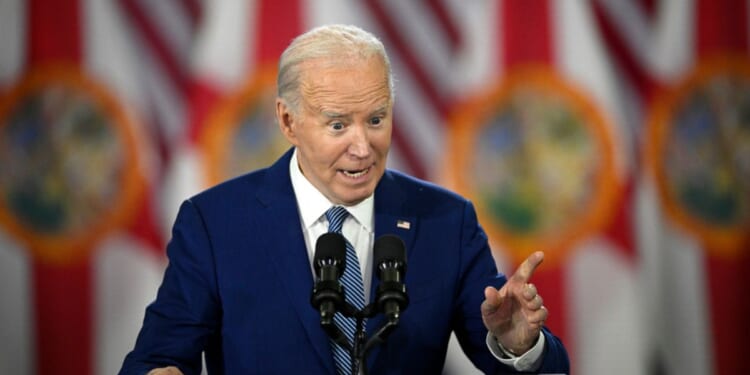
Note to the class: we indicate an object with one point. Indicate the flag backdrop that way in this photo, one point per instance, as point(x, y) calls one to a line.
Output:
point(612, 134)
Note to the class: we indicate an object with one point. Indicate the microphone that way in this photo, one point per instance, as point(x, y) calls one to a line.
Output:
point(329, 262)
point(390, 259)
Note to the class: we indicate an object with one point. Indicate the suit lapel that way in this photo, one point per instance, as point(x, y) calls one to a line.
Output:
point(290, 258)
point(391, 217)
point(289, 254)
point(391, 213)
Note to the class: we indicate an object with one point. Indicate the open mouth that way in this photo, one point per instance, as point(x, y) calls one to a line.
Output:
point(355, 173)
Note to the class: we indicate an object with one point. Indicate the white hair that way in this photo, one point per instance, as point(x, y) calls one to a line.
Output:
point(332, 42)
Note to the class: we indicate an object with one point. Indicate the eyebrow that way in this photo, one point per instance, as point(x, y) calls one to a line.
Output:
point(337, 115)
point(333, 115)
point(379, 110)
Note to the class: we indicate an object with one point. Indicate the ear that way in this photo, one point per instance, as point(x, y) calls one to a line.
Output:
point(286, 120)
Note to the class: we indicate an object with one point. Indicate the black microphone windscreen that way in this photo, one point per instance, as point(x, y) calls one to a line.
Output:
point(330, 246)
point(389, 248)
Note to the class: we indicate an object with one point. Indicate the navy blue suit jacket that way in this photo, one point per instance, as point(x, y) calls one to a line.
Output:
point(239, 281)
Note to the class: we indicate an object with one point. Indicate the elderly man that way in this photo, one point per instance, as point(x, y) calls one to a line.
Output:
point(240, 276)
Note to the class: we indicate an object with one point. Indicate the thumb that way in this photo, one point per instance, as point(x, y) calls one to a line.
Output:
point(493, 299)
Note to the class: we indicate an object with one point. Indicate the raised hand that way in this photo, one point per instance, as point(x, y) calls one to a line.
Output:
point(515, 313)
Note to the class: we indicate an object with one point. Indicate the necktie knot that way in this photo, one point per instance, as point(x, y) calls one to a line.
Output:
point(336, 216)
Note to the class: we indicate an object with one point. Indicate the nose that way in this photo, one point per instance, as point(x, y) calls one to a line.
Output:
point(359, 145)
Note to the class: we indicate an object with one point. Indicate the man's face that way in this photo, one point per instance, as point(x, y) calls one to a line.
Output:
point(342, 129)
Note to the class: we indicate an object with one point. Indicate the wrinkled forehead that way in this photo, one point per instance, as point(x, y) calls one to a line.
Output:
point(345, 81)
point(313, 68)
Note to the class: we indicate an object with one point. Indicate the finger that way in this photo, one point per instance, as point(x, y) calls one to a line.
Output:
point(535, 304)
point(529, 291)
point(171, 370)
point(493, 299)
point(526, 269)
point(538, 317)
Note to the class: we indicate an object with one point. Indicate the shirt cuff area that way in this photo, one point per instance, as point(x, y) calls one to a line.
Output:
point(529, 361)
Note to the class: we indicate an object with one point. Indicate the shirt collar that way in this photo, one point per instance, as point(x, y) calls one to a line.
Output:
point(316, 204)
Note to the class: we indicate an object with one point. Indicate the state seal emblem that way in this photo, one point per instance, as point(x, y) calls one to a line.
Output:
point(70, 170)
point(698, 150)
point(537, 158)
point(240, 134)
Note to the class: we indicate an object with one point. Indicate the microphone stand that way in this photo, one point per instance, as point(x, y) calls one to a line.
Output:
point(391, 297)
point(361, 346)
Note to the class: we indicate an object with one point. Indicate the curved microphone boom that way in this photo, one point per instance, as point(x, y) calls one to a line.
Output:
point(329, 262)
point(390, 260)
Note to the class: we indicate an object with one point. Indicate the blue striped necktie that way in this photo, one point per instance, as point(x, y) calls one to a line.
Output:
point(354, 291)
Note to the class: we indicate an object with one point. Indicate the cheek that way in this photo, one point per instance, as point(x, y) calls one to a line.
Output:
point(328, 154)
point(382, 142)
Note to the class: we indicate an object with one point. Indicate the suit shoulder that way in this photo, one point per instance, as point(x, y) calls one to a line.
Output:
point(423, 192)
point(233, 189)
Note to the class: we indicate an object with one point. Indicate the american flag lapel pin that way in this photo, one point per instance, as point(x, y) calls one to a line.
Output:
point(403, 224)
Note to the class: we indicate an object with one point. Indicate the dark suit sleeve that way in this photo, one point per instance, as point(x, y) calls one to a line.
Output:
point(555, 358)
point(477, 271)
point(185, 316)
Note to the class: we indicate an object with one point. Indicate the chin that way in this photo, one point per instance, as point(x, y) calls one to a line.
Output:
point(353, 199)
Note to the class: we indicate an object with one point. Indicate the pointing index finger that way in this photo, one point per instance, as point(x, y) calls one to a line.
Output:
point(526, 269)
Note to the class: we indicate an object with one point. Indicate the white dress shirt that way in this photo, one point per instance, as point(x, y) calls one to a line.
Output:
point(358, 228)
